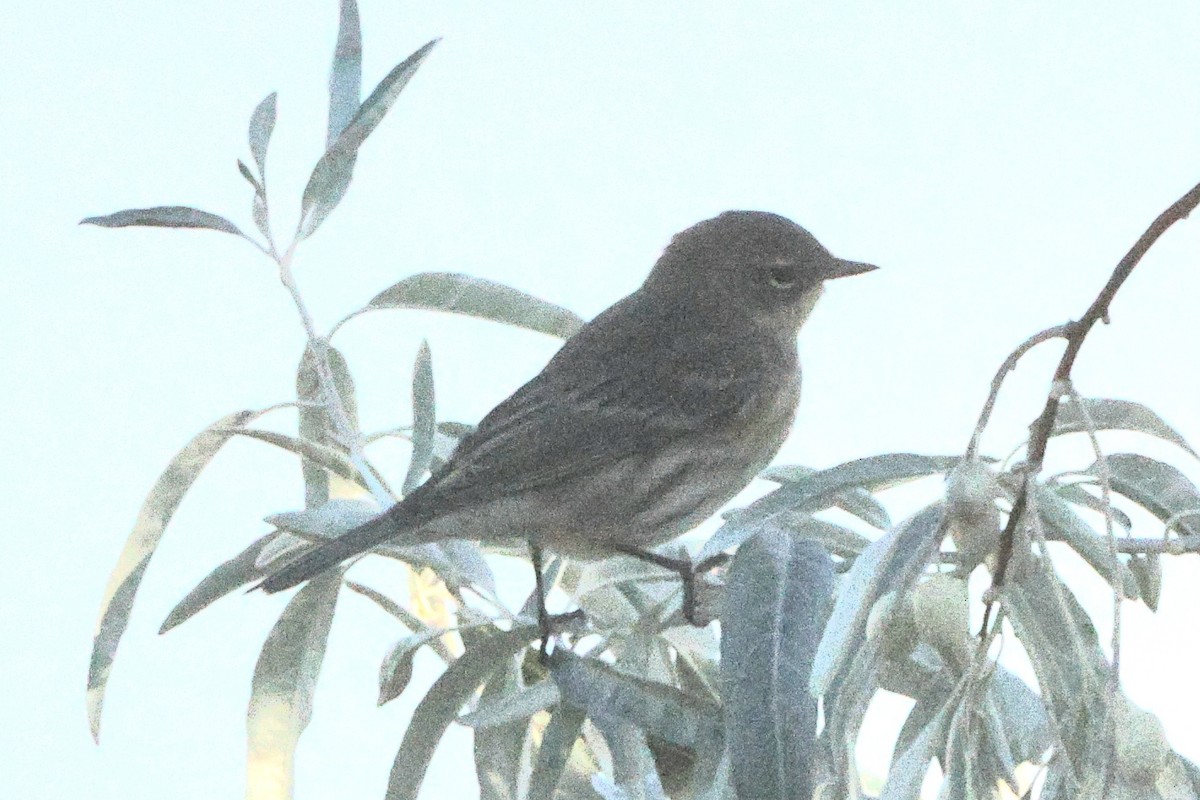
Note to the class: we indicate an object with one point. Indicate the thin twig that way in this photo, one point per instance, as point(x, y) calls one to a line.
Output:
point(1042, 428)
point(1010, 363)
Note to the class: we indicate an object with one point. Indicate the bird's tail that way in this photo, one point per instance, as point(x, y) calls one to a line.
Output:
point(388, 525)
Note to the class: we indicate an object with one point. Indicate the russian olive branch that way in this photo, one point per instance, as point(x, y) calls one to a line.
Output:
point(1076, 333)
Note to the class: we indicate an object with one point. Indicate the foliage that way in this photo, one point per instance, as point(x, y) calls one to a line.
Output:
point(636, 703)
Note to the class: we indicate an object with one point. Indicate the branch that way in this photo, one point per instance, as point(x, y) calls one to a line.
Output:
point(1042, 428)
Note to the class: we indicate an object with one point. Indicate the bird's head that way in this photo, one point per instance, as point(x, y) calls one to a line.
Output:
point(750, 261)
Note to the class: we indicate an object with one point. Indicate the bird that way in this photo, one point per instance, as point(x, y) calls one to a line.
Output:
point(648, 419)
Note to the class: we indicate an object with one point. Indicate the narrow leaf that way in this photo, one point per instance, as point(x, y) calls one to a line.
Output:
point(281, 693)
point(165, 217)
point(233, 574)
point(345, 76)
point(502, 752)
point(612, 696)
point(396, 670)
point(315, 424)
point(892, 562)
point(1107, 415)
point(857, 501)
point(1078, 494)
point(262, 124)
point(441, 704)
point(1147, 570)
point(561, 732)
point(410, 620)
point(476, 297)
point(777, 598)
point(424, 418)
point(508, 708)
point(1083, 539)
point(326, 457)
point(152, 521)
point(817, 492)
point(1161, 489)
point(249, 176)
point(331, 176)
point(908, 772)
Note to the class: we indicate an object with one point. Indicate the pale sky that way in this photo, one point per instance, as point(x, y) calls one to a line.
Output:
point(996, 159)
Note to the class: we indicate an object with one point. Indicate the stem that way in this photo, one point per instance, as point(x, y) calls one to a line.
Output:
point(1044, 425)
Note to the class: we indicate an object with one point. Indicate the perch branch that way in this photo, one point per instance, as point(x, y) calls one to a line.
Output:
point(1098, 310)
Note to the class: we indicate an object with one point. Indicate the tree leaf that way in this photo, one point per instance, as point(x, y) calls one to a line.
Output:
point(315, 424)
point(331, 176)
point(518, 705)
point(856, 501)
point(502, 752)
point(1089, 543)
point(232, 574)
point(249, 176)
point(892, 562)
point(476, 297)
point(1078, 494)
point(908, 771)
point(396, 670)
point(345, 76)
point(1147, 570)
point(152, 521)
point(410, 620)
point(777, 599)
point(1108, 415)
point(325, 457)
point(165, 217)
point(441, 704)
point(818, 491)
point(1160, 488)
point(262, 125)
point(281, 692)
point(424, 418)
point(610, 696)
point(563, 729)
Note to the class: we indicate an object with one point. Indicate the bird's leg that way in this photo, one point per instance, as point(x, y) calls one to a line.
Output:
point(535, 554)
point(682, 567)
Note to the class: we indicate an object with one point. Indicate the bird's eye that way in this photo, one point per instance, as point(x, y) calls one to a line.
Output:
point(781, 277)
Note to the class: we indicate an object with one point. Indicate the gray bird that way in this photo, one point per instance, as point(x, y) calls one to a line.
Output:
point(648, 420)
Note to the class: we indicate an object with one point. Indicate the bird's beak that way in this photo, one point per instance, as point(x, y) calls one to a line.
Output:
point(841, 268)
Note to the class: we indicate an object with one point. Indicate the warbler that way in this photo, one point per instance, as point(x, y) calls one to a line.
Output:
point(650, 418)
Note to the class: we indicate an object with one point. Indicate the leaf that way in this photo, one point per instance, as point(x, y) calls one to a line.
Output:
point(328, 521)
point(1083, 539)
point(476, 297)
point(1147, 571)
point(406, 617)
point(777, 599)
point(1108, 415)
point(315, 424)
point(502, 752)
point(331, 176)
point(1077, 493)
point(856, 501)
point(325, 457)
point(634, 764)
point(232, 574)
point(262, 125)
point(838, 540)
point(281, 692)
point(517, 705)
point(1022, 716)
point(1160, 488)
point(165, 217)
point(610, 696)
point(152, 521)
point(561, 732)
point(396, 670)
point(424, 418)
point(249, 176)
point(908, 771)
point(892, 562)
point(440, 706)
point(345, 76)
point(818, 490)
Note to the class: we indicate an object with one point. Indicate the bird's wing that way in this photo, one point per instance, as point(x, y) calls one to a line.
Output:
point(612, 392)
